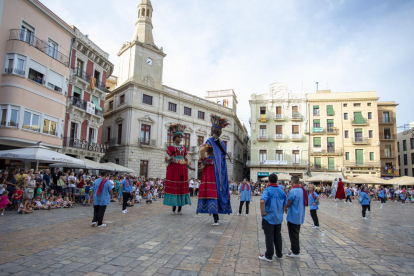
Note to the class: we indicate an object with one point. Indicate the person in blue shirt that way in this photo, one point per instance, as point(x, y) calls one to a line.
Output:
point(364, 196)
point(381, 195)
point(313, 205)
point(102, 191)
point(402, 197)
point(295, 209)
point(245, 196)
point(272, 203)
point(348, 195)
point(126, 188)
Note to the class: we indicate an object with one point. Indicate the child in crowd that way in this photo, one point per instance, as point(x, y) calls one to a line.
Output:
point(149, 197)
point(49, 203)
point(17, 197)
point(67, 203)
point(39, 204)
point(59, 201)
point(4, 200)
point(139, 197)
point(137, 193)
point(87, 199)
point(402, 197)
point(38, 191)
point(23, 209)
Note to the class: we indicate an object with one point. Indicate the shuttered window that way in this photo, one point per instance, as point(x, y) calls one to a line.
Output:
point(329, 110)
point(331, 140)
point(295, 129)
point(279, 129)
point(358, 118)
point(317, 142)
point(278, 110)
point(317, 161)
point(316, 123)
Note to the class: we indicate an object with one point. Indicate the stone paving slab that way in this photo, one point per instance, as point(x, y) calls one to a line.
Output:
point(150, 240)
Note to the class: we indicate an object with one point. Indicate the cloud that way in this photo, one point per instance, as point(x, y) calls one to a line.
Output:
point(245, 45)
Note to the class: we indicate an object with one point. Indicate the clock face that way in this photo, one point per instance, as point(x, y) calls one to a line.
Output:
point(149, 61)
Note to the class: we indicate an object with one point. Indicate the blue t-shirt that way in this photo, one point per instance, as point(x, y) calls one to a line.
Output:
point(365, 198)
point(348, 192)
point(126, 189)
point(381, 194)
point(311, 201)
point(246, 194)
point(402, 196)
point(87, 189)
point(46, 178)
point(104, 198)
point(296, 211)
point(274, 199)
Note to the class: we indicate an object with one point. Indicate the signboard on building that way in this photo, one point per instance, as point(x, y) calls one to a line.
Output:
point(317, 129)
point(90, 108)
point(262, 174)
point(275, 162)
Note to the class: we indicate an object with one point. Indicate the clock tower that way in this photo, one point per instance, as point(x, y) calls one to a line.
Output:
point(141, 61)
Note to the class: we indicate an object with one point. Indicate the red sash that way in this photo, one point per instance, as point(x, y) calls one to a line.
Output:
point(101, 185)
point(248, 187)
point(313, 195)
point(305, 195)
point(273, 185)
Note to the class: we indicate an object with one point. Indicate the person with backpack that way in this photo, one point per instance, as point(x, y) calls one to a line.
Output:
point(313, 206)
point(364, 200)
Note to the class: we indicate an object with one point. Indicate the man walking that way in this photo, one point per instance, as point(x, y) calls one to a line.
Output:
point(271, 206)
point(295, 209)
point(126, 188)
point(245, 196)
point(102, 191)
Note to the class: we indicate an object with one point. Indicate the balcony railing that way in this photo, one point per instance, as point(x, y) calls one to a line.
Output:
point(296, 137)
point(362, 163)
point(273, 163)
point(279, 137)
point(296, 116)
point(331, 130)
point(263, 138)
point(387, 136)
point(83, 144)
point(386, 120)
point(147, 142)
point(316, 113)
point(388, 154)
point(279, 117)
point(101, 86)
point(81, 74)
point(326, 151)
point(359, 122)
point(360, 140)
point(317, 168)
point(9, 124)
point(28, 37)
point(265, 117)
point(14, 71)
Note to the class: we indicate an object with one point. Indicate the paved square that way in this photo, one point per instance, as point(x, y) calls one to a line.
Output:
point(150, 240)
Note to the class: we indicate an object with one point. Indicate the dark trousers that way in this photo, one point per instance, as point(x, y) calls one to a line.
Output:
point(369, 207)
point(348, 198)
point(196, 191)
point(314, 216)
point(216, 217)
point(175, 207)
point(241, 207)
point(125, 197)
point(191, 191)
point(98, 213)
point(382, 199)
point(294, 230)
point(364, 210)
point(273, 239)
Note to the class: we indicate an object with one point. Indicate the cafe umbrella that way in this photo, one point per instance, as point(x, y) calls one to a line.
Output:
point(38, 153)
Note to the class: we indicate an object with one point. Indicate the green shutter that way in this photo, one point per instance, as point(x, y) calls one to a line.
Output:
point(330, 121)
point(317, 141)
point(317, 161)
point(316, 107)
point(77, 90)
point(329, 110)
point(359, 154)
point(346, 155)
point(358, 118)
point(331, 161)
point(358, 130)
point(371, 156)
point(95, 101)
point(316, 121)
point(331, 140)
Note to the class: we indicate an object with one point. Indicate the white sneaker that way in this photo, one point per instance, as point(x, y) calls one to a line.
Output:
point(124, 211)
point(365, 218)
point(277, 257)
point(237, 214)
point(2, 214)
point(345, 202)
point(214, 223)
point(290, 254)
point(263, 257)
point(247, 215)
point(102, 225)
point(315, 227)
point(369, 212)
point(93, 224)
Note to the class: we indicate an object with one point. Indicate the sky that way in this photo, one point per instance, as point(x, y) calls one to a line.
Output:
point(345, 45)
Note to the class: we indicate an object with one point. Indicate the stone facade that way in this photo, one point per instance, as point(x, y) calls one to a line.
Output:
point(406, 151)
point(140, 108)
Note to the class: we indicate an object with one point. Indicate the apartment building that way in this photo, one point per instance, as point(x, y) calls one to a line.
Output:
point(140, 108)
point(35, 52)
point(388, 139)
point(405, 146)
point(278, 127)
point(344, 132)
point(89, 70)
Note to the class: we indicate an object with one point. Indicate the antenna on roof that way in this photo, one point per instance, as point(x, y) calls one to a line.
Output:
point(317, 84)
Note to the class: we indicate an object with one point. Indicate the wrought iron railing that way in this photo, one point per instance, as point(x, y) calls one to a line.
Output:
point(83, 144)
point(147, 142)
point(360, 140)
point(360, 121)
point(81, 74)
point(386, 120)
point(25, 36)
point(296, 116)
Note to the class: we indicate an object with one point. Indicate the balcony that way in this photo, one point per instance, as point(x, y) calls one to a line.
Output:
point(23, 35)
point(279, 138)
point(388, 155)
point(387, 136)
point(14, 71)
point(386, 120)
point(81, 104)
point(279, 117)
point(317, 168)
point(151, 143)
point(81, 75)
point(265, 118)
point(360, 122)
point(389, 172)
point(320, 168)
point(101, 86)
point(275, 163)
point(296, 137)
point(318, 130)
point(316, 113)
point(263, 138)
point(360, 140)
point(83, 144)
point(326, 151)
point(332, 131)
point(354, 163)
point(296, 117)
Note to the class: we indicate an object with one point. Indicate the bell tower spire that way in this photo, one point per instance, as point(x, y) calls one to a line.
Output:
point(143, 26)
